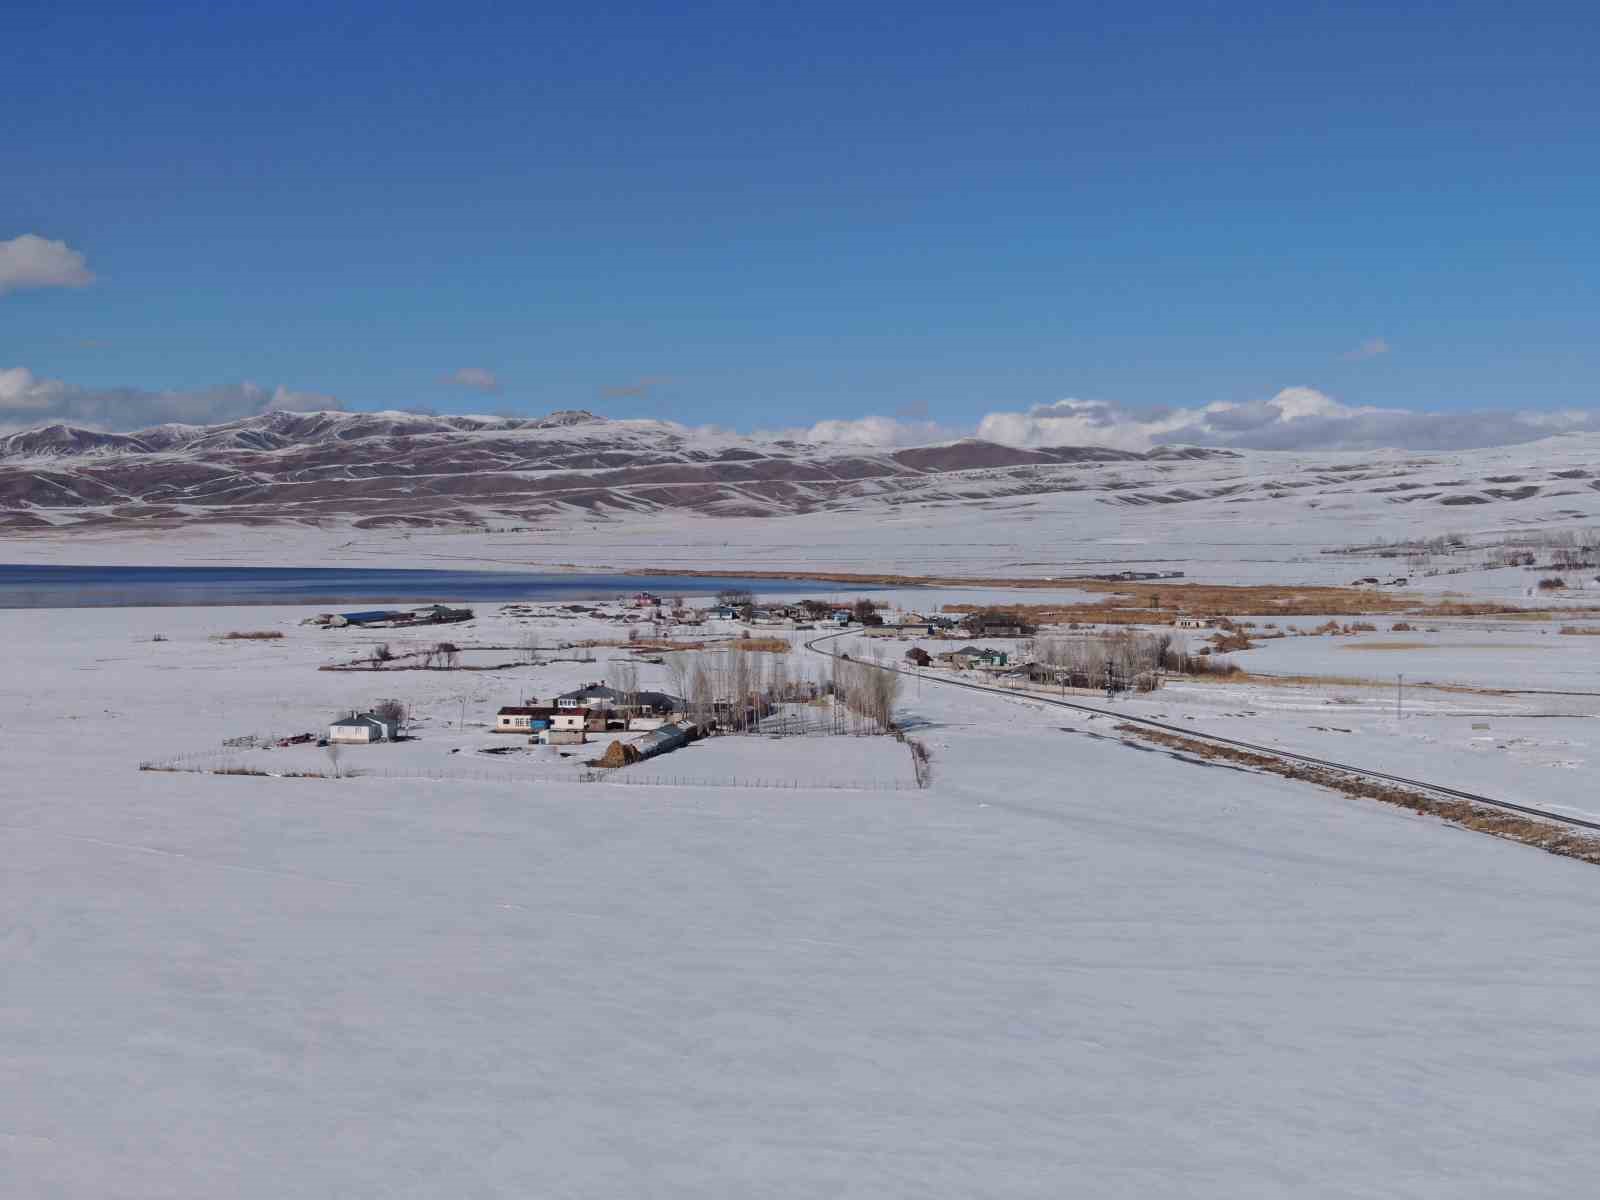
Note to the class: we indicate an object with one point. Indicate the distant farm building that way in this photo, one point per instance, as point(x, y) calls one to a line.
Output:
point(363, 728)
point(997, 625)
point(975, 656)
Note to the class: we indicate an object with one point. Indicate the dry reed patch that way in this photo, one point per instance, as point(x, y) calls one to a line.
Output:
point(1152, 604)
point(252, 635)
point(1389, 646)
point(1306, 680)
point(768, 645)
point(1438, 646)
point(1511, 826)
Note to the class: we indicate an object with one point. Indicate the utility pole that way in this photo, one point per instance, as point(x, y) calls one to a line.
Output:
point(1399, 695)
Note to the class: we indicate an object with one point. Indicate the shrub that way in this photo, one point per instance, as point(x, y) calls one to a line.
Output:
point(1552, 583)
point(256, 635)
point(1401, 627)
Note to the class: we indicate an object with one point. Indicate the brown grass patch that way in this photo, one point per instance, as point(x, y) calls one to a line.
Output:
point(1511, 826)
point(1389, 646)
point(1436, 646)
point(1152, 604)
point(252, 635)
point(767, 645)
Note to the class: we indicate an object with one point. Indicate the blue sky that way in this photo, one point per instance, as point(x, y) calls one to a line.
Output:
point(767, 216)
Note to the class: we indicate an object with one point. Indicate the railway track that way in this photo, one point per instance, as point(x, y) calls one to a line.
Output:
point(1233, 743)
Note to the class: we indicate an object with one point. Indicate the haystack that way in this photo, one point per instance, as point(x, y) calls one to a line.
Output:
point(617, 755)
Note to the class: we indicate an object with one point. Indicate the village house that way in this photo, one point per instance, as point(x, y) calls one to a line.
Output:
point(903, 629)
point(591, 695)
point(571, 727)
point(1193, 623)
point(997, 625)
point(610, 708)
point(523, 719)
point(601, 696)
point(974, 656)
point(362, 728)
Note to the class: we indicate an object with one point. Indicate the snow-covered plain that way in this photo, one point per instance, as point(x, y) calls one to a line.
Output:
point(1071, 967)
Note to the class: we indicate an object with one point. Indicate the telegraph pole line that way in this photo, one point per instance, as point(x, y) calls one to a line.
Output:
point(1399, 695)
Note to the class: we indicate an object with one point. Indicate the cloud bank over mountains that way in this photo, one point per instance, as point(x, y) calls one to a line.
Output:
point(27, 401)
point(1297, 418)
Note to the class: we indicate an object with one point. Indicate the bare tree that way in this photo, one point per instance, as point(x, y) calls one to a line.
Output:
point(883, 689)
point(921, 761)
point(392, 710)
point(701, 692)
point(678, 664)
point(624, 677)
point(334, 750)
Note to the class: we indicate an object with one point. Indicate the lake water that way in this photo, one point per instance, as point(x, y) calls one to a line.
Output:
point(141, 587)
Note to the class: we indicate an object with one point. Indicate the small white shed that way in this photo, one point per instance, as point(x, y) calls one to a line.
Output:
point(363, 727)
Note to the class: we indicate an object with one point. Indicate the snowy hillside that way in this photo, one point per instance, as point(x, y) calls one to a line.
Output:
point(378, 470)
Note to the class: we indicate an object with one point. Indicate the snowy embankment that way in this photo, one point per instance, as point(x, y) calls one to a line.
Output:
point(1068, 967)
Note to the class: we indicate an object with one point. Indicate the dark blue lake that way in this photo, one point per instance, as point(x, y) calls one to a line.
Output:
point(140, 587)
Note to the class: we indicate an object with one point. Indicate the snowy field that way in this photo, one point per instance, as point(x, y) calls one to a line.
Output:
point(1069, 967)
point(1508, 655)
point(1510, 710)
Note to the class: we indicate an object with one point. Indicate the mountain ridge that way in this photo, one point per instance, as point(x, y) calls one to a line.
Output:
point(395, 469)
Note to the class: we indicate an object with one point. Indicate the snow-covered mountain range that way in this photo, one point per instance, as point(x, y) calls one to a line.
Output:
point(377, 470)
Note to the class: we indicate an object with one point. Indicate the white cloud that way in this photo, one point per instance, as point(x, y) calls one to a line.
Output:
point(1297, 418)
point(21, 389)
point(478, 378)
point(28, 401)
point(868, 433)
point(31, 261)
point(1084, 423)
point(1371, 348)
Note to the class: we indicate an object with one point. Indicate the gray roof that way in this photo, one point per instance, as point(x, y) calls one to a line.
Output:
point(602, 692)
point(360, 721)
point(598, 691)
point(661, 700)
